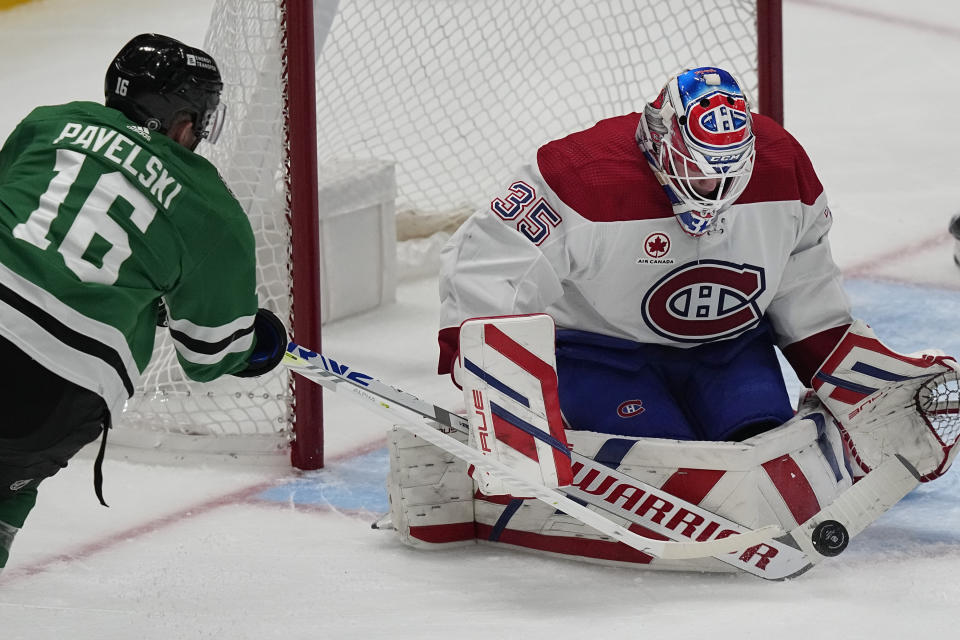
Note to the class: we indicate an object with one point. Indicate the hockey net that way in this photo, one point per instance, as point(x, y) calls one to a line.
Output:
point(939, 402)
point(455, 94)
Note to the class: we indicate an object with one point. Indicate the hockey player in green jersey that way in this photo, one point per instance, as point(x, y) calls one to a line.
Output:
point(106, 213)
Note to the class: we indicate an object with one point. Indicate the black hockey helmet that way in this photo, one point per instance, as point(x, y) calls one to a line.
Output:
point(154, 79)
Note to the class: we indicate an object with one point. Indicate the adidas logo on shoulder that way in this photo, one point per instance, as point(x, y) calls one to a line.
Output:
point(142, 131)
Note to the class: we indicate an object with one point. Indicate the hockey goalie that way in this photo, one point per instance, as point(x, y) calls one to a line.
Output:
point(613, 318)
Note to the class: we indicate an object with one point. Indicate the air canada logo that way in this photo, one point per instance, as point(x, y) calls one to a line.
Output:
point(719, 120)
point(657, 245)
point(655, 249)
point(706, 300)
point(630, 408)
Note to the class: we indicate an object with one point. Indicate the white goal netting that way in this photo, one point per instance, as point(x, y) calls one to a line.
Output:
point(455, 94)
point(459, 92)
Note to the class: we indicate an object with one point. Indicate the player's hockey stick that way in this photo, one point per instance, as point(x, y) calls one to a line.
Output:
point(755, 546)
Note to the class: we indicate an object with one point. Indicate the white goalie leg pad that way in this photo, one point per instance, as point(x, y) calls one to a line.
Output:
point(431, 493)
point(509, 379)
point(892, 404)
point(783, 477)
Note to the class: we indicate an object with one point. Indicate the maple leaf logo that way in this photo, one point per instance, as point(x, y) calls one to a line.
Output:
point(657, 245)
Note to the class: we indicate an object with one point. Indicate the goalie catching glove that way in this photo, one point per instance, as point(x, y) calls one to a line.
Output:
point(888, 404)
point(271, 344)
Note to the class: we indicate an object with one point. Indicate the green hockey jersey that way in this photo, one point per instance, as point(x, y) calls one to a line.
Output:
point(99, 220)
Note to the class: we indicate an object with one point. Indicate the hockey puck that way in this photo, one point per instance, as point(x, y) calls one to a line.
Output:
point(830, 538)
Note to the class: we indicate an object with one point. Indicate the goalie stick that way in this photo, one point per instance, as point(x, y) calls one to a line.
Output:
point(400, 405)
point(297, 358)
point(825, 534)
point(661, 549)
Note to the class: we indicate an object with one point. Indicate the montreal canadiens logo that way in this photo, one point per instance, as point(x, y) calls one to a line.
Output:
point(706, 300)
point(714, 122)
point(630, 408)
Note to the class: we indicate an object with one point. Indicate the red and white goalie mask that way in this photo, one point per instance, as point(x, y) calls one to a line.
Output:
point(698, 138)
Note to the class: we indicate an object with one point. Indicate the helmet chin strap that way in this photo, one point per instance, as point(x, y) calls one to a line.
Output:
point(692, 222)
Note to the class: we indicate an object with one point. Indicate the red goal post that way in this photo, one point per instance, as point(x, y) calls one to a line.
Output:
point(770, 58)
point(454, 95)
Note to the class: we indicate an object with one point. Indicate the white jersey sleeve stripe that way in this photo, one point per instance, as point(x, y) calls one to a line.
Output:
point(242, 343)
point(211, 334)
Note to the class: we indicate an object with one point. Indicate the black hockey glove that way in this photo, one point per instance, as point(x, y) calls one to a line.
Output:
point(271, 345)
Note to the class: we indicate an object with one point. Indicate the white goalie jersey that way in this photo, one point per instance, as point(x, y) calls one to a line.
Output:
point(587, 235)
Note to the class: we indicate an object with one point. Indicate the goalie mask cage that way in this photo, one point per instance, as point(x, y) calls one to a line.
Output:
point(455, 94)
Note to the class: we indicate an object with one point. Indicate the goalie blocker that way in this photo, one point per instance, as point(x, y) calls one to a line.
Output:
point(783, 477)
point(507, 369)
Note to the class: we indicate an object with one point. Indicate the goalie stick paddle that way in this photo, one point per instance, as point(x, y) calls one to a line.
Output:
point(753, 551)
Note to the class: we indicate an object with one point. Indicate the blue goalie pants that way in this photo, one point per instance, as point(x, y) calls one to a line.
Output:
point(721, 391)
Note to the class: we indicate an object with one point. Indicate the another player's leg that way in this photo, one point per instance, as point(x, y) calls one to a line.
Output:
point(47, 421)
point(13, 513)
